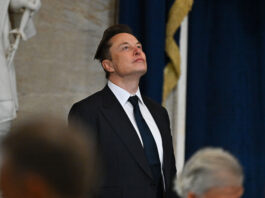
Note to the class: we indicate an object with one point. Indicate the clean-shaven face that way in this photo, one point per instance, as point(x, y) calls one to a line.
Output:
point(127, 56)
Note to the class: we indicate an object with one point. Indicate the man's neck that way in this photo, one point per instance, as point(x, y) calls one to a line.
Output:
point(129, 85)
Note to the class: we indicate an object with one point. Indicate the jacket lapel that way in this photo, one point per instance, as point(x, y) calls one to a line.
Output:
point(119, 121)
point(163, 129)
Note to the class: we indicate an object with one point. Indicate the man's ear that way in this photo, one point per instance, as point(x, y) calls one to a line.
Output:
point(191, 195)
point(107, 65)
point(36, 186)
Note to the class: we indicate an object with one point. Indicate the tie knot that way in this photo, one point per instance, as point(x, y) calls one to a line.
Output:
point(133, 100)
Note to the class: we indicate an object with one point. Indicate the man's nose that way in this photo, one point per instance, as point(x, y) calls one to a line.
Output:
point(136, 51)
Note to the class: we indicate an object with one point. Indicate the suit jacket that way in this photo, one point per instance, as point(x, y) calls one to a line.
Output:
point(126, 170)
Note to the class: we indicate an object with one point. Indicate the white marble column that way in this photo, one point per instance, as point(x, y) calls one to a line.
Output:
point(56, 67)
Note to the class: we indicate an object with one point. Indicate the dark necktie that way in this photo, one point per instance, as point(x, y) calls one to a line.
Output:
point(150, 148)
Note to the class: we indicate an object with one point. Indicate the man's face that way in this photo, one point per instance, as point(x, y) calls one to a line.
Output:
point(127, 57)
point(224, 192)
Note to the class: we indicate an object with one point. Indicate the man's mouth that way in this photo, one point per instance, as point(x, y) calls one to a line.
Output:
point(138, 60)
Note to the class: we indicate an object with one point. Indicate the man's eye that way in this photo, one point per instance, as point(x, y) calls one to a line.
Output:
point(125, 47)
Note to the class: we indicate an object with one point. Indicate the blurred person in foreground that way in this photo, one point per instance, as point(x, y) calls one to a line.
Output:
point(211, 173)
point(44, 159)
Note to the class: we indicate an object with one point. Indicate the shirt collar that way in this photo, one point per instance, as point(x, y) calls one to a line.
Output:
point(138, 94)
point(121, 94)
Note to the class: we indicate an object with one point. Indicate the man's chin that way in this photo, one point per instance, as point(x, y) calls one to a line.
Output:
point(137, 74)
point(142, 72)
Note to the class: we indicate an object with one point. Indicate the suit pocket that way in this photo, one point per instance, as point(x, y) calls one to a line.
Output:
point(110, 192)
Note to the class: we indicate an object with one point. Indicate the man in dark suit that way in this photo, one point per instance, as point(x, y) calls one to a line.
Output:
point(132, 131)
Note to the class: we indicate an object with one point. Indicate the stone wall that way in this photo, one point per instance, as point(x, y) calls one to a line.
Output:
point(56, 67)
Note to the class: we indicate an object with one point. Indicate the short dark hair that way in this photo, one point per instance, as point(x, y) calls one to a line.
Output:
point(102, 52)
point(62, 156)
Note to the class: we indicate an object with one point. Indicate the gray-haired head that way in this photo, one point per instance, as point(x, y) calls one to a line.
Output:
point(208, 168)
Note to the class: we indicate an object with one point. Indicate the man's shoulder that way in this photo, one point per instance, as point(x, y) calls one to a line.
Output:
point(150, 103)
point(92, 101)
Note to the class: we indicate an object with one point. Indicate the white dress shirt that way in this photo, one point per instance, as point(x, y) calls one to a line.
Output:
point(123, 96)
